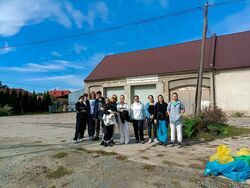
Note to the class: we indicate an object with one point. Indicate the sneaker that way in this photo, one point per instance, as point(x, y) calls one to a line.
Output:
point(160, 143)
point(156, 141)
point(143, 142)
point(171, 144)
point(137, 141)
point(105, 144)
point(96, 138)
point(102, 143)
point(110, 145)
point(165, 144)
point(150, 141)
point(74, 141)
point(80, 140)
point(179, 145)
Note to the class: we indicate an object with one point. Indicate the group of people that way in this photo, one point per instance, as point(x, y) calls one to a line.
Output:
point(98, 112)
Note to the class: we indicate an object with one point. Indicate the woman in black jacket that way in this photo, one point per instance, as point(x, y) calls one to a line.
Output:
point(81, 120)
point(161, 119)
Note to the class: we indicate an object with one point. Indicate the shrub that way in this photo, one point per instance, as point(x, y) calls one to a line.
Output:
point(5, 111)
point(211, 120)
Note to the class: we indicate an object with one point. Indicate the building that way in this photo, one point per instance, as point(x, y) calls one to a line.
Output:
point(168, 69)
point(73, 98)
point(59, 93)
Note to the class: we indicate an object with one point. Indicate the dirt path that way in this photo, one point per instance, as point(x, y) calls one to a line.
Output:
point(28, 146)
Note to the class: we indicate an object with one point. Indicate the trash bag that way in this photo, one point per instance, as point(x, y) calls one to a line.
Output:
point(222, 155)
point(243, 151)
point(238, 170)
point(244, 158)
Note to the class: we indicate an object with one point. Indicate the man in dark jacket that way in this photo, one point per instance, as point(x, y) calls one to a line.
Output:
point(98, 114)
point(81, 120)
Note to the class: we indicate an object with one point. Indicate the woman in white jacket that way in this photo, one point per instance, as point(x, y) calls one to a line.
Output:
point(137, 116)
point(123, 114)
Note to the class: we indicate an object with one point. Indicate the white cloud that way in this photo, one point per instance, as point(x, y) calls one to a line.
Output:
point(96, 58)
point(6, 49)
point(14, 14)
point(162, 3)
point(70, 79)
point(50, 66)
point(234, 23)
point(79, 48)
point(56, 54)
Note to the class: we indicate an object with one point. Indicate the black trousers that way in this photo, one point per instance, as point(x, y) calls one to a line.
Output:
point(151, 125)
point(80, 127)
point(109, 130)
point(98, 124)
point(138, 129)
point(91, 125)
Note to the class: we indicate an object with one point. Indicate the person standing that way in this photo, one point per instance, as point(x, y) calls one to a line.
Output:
point(91, 121)
point(161, 120)
point(98, 114)
point(81, 120)
point(137, 116)
point(123, 118)
point(175, 110)
point(113, 106)
point(109, 121)
point(149, 112)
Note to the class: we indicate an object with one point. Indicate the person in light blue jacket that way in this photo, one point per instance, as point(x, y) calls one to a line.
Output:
point(149, 112)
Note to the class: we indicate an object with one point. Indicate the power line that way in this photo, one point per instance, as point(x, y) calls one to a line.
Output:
point(106, 29)
point(118, 26)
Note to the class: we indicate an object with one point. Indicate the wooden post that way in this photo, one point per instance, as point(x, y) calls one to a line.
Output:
point(198, 94)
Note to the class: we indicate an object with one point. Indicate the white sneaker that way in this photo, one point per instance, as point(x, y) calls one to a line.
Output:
point(80, 140)
point(74, 141)
point(150, 141)
point(155, 140)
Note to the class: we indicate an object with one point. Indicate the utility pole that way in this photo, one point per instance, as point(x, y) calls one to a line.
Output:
point(198, 94)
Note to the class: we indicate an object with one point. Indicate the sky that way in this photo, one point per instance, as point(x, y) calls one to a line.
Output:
point(64, 64)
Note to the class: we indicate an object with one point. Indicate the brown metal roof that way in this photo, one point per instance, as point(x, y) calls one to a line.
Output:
point(228, 51)
point(233, 51)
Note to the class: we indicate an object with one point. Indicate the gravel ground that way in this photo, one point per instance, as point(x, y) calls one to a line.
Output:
point(28, 145)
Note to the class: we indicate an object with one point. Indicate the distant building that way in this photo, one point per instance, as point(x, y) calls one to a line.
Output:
point(59, 93)
point(73, 98)
point(14, 89)
point(173, 68)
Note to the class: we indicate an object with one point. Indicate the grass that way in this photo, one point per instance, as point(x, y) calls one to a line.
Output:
point(60, 155)
point(237, 114)
point(149, 168)
point(145, 157)
point(231, 131)
point(160, 155)
point(59, 172)
point(122, 158)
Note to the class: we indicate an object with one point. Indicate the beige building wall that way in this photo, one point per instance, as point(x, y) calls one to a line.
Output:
point(232, 90)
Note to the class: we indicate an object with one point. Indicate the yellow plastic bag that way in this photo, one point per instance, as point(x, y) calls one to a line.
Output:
point(243, 151)
point(222, 155)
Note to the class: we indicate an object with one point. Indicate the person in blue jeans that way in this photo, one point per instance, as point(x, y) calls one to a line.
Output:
point(161, 119)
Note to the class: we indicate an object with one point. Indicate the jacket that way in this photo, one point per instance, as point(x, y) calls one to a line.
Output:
point(96, 108)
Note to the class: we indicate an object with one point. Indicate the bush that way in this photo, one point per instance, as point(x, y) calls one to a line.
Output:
point(5, 111)
point(237, 114)
point(211, 120)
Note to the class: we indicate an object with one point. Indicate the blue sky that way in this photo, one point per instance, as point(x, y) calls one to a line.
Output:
point(64, 64)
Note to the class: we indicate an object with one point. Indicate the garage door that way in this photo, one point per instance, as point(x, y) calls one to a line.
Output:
point(143, 92)
point(109, 91)
point(187, 96)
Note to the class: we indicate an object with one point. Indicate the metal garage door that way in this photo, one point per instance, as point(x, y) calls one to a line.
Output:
point(187, 96)
point(143, 92)
point(109, 91)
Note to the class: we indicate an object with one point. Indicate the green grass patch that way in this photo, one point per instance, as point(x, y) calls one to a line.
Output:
point(59, 172)
point(122, 158)
point(145, 157)
point(149, 168)
point(60, 155)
